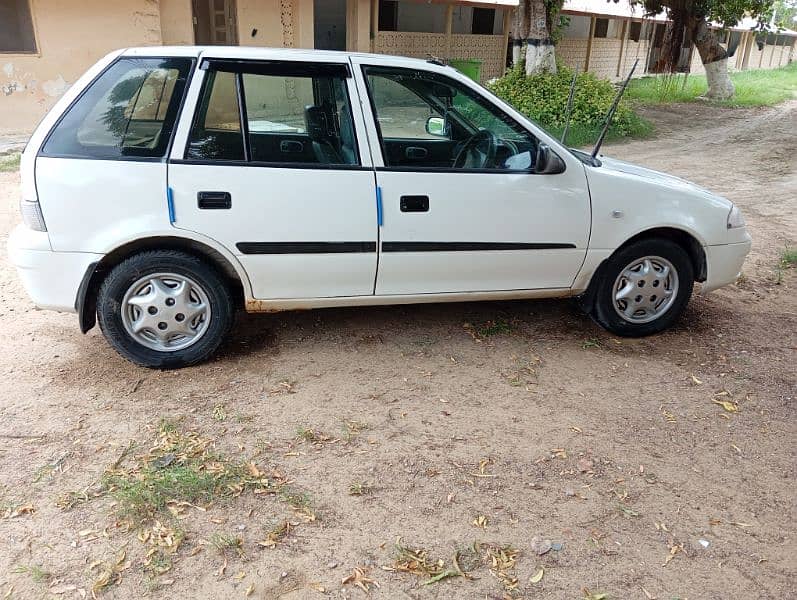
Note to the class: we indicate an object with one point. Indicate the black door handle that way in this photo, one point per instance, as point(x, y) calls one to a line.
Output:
point(414, 203)
point(214, 200)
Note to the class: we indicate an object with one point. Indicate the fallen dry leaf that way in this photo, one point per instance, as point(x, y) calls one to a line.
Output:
point(537, 577)
point(359, 579)
point(480, 521)
point(727, 405)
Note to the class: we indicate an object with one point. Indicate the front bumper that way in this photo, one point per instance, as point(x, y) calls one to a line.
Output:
point(51, 279)
point(724, 264)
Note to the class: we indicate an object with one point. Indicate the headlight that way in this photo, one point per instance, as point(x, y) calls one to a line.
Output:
point(735, 218)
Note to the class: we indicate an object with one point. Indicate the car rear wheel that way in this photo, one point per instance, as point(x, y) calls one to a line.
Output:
point(164, 309)
point(643, 288)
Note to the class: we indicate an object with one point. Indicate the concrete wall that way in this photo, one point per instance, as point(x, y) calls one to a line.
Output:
point(70, 37)
point(176, 25)
point(278, 23)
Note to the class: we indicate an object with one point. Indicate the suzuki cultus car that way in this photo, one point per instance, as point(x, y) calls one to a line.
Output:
point(171, 186)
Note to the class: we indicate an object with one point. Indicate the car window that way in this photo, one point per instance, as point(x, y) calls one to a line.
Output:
point(401, 112)
point(301, 118)
point(128, 111)
point(427, 120)
point(216, 133)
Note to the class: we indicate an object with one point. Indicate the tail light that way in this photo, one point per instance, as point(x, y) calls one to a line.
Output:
point(32, 215)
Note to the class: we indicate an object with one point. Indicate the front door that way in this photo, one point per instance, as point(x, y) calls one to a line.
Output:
point(463, 210)
point(273, 170)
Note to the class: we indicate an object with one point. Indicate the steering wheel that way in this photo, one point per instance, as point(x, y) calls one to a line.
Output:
point(478, 152)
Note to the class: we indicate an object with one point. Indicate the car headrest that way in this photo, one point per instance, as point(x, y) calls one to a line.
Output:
point(315, 120)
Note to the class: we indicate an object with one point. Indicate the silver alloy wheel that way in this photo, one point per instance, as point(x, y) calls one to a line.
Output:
point(645, 289)
point(166, 312)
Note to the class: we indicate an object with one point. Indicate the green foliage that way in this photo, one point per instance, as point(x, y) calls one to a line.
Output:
point(753, 88)
point(726, 12)
point(543, 98)
point(785, 13)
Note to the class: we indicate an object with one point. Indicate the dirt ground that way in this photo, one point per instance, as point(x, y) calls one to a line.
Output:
point(464, 428)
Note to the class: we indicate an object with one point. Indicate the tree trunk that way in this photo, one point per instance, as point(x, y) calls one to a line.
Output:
point(520, 31)
point(670, 53)
point(540, 56)
point(714, 59)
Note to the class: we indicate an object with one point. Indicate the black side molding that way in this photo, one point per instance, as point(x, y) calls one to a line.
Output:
point(305, 247)
point(468, 246)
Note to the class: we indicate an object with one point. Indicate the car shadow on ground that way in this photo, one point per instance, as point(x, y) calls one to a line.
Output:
point(257, 337)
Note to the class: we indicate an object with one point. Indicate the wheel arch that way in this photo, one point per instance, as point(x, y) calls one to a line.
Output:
point(86, 301)
point(683, 238)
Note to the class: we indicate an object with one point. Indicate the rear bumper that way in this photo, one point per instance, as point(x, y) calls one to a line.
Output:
point(724, 264)
point(51, 279)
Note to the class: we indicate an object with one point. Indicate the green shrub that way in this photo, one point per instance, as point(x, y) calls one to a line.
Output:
point(543, 98)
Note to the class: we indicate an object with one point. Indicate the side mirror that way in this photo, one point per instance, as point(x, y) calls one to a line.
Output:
point(548, 162)
point(437, 126)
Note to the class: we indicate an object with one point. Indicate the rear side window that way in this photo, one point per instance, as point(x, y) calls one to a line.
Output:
point(302, 118)
point(127, 112)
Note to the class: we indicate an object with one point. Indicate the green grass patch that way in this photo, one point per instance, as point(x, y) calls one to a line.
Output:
point(35, 572)
point(543, 98)
point(753, 88)
point(789, 257)
point(181, 467)
point(9, 163)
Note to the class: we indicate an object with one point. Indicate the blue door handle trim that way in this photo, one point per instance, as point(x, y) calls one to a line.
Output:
point(379, 215)
point(170, 204)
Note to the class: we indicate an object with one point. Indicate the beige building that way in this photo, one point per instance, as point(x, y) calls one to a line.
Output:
point(606, 37)
point(46, 44)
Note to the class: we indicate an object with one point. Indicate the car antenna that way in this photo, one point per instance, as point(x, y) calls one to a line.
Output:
point(612, 110)
point(569, 111)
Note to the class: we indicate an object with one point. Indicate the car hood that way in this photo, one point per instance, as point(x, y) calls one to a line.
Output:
point(657, 177)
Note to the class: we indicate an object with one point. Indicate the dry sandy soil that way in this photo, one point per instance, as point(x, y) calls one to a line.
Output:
point(487, 422)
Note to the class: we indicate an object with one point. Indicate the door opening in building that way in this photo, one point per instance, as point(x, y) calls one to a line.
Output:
point(215, 22)
point(329, 24)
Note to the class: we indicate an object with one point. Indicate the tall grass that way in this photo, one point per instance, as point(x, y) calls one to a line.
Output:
point(753, 88)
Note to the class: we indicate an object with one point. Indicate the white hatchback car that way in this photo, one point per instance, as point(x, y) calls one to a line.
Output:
point(170, 186)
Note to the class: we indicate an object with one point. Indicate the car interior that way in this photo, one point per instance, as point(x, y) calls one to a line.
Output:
point(325, 135)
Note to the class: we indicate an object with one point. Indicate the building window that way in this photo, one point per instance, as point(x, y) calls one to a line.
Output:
point(635, 32)
point(388, 15)
point(16, 27)
point(601, 28)
point(483, 21)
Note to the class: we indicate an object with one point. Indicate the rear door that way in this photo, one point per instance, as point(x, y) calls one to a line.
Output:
point(273, 168)
point(101, 171)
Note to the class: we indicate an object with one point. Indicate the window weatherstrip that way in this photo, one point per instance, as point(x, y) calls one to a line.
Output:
point(286, 68)
point(243, 119)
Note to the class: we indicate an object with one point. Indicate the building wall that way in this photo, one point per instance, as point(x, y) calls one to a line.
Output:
point(176, 22)
point(489, 49)
point(70, 37)
point(287, 23)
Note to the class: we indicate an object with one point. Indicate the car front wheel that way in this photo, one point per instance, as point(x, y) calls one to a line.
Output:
point(643, 288)
point(164, 309)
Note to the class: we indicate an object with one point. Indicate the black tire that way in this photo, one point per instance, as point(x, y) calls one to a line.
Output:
point(604, 309)
point(126, 273)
